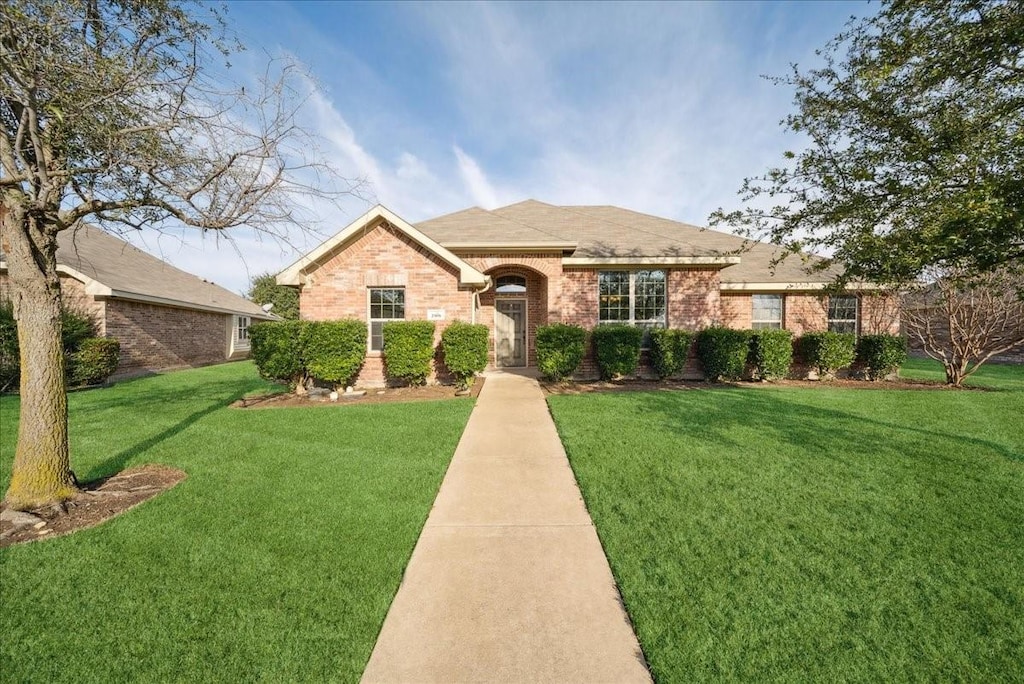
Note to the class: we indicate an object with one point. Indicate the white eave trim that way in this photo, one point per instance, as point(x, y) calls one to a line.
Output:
point(652, 261)
point(510, 247)
point(787, 287)
point(295, 274)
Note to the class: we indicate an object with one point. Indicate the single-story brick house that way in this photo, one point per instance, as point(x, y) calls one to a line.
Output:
point(163, 317)
point(532, 263)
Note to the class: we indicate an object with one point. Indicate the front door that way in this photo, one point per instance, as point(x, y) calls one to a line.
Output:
point(510, 332)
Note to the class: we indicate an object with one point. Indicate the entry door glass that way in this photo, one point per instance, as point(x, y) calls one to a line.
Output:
point(510, 332)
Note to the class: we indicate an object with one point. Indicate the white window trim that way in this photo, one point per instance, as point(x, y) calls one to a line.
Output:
point(779, 320)
point(632, 299)
point(370, 321)
point(856, 314)
point(241, 341)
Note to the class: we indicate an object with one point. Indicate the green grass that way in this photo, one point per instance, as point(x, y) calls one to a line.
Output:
point(787, 534)
point(276, 559)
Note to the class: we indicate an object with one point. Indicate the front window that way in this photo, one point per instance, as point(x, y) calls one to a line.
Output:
point(632, 297)
point(767, 312)
point(242, 328)
point(842, 314)
point(386, 304)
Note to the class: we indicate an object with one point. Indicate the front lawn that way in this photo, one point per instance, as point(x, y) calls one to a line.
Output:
point(764, 533)
point(276, 559)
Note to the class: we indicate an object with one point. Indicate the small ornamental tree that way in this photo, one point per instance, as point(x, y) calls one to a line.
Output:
point(465, 350)
point(669, 351)
point(264, 290)
point(617, 348)
point(723, 353)
point(408, 350)
point(827, 352)
point(334, 350)
point(560, 349)
point(771, 353)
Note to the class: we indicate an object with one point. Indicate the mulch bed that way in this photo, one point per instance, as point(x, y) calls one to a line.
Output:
point(637, 385)
point(98, 502)
point(372, 396)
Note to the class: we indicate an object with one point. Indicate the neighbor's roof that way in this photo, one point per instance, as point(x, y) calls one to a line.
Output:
point(607, 234)
point(110, 267)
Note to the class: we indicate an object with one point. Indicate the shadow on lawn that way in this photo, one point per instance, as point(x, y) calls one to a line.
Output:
point(826, 431)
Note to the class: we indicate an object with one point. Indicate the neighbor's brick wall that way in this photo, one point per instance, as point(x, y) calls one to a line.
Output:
point(384, 257)
point(73, 293)
point(156, 337)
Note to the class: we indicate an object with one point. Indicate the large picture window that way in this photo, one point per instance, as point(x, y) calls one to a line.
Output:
point(386, 304)
point(842, 314)
point(632, 297)
point(766, 312)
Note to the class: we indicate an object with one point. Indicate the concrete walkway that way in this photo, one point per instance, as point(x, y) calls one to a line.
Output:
point(508, 581)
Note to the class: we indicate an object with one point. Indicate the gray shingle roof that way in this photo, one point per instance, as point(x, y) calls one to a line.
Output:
point(607, 231)
point(130, 272)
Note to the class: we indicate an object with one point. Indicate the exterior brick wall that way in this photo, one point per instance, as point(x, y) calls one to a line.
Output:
point(156, 337)
point(384, 257)
point(736, 310)
point(694, 299)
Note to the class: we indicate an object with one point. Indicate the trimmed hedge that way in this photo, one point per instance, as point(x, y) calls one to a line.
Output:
point(881, 355)
point(76, 327)
point(771, 353)
point(560, 349)
point(617, 348)
point(669, 350)
point(827, 351)
point(276, 349)
point(408, 350)
point(334, 350)
point(723, 353)
point(465, 350)
point(94, 361)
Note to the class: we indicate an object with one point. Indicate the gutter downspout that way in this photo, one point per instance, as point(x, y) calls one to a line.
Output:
point(476, 298)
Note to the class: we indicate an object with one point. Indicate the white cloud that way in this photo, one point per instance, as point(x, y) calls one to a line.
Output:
point(480, 189)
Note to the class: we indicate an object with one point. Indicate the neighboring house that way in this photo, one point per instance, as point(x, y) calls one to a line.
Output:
point(163, 317)
point(532, 263)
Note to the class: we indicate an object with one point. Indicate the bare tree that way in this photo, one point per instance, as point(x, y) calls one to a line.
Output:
point(111, 113)
point(962, 320)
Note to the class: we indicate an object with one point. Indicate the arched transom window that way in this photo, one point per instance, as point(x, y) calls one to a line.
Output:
point(510, 284)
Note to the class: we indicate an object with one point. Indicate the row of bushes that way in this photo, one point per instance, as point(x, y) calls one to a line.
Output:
point(88, 360)
point(333, 351)
point(724, 353)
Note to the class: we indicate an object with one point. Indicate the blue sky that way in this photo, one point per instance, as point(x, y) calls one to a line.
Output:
point(657, 107)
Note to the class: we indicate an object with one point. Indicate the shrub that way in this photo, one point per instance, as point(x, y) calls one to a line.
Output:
point(771, 353)
point(94, 361)
point(408, 349)
point(465, 350)
point(10, 363)
point(669, 351)
point(276, 349)
point(333, 350)
point(560, 349)
point(617, 348)
point(827, 351)
point(881, 355)
point(723, 352)
point(76, 326)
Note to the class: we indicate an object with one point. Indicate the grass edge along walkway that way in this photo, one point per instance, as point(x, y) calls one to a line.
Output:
point(276, 559)
point(822, 534)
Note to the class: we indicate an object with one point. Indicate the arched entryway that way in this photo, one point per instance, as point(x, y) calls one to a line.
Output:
point(513, 307)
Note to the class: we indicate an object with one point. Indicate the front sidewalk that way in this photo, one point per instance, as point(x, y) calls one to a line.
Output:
point(508, 581)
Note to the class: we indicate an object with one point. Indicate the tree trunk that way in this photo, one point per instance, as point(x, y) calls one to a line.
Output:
point(41, 474)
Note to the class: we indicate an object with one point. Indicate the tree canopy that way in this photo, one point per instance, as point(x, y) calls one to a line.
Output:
point(122, 113)
point(265, 290)
point(915, 146)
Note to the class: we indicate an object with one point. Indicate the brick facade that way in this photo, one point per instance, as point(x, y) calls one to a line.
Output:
point(152, 337)
point(156, 337)
point(384, 257)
